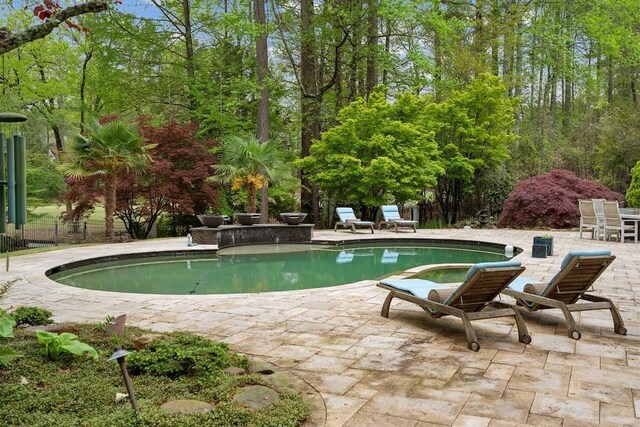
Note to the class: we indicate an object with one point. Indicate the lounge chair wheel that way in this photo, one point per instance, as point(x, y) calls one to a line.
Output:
point(576, 335)
point(474, 346)
point(622, 330)
point(526, 339)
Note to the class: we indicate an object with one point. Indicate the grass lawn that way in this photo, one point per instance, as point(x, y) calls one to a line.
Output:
point(81, 391)
point(57, 210)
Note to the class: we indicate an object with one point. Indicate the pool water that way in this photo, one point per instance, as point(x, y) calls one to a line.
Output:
point(263, 268)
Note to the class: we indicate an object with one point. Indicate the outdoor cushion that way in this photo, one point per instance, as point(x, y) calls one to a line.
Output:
point(567, 259)
point(499, 264)
point(416, 287)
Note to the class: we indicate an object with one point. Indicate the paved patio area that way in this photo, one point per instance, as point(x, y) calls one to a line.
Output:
point(408, 370)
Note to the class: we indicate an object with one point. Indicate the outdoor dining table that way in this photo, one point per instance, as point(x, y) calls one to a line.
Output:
point(631, 215)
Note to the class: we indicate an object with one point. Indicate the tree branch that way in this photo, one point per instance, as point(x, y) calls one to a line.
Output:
point(9, 42)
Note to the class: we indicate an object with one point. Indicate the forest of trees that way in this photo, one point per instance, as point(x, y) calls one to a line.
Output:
point(284, 70)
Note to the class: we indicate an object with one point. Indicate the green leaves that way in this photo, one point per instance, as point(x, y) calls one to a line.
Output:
point(633, 192)
point(376, 154)
point(55, 346)
point(6, 324)
point(7, 355)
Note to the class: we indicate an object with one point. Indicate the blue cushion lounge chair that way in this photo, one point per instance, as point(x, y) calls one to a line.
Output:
point(348, 219)
point(391, 217)
point(482, 284)
point(578, 272)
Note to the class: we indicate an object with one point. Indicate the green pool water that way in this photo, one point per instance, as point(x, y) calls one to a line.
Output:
point(263, 268)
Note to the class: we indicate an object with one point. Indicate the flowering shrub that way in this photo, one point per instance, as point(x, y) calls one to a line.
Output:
point(551, 200)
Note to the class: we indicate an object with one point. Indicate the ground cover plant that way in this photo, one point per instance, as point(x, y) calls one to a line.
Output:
point(31, 316)
point(551, 200)
point(80, 391)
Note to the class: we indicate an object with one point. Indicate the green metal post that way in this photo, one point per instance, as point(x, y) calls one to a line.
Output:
point(3, 212)
point(11, 180)
point(21, 179)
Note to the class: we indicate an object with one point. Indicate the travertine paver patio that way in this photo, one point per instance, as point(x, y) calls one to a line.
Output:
point(408, 370)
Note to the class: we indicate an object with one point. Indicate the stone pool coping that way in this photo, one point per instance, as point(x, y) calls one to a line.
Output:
point(408, 370)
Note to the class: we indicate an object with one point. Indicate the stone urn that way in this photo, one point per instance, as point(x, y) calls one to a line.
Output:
point(293, 218)
point(211, 221)
point(247, 218)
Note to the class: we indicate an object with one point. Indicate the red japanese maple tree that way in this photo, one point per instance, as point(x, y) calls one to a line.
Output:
point(551, 200)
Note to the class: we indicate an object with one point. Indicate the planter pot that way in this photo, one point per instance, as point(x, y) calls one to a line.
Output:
point(211, 221)
point(247, 218)
point(539, 251)
point(293, 218)
point(546, 241)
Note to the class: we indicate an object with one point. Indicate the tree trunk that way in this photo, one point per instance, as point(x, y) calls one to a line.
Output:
point(188, 43)
point(437, 61)
point(372, 46)
point(309, 104)
point(83, 82)
point(262, 68)
point(387, 50)
point(251, 198)
point(110, 205)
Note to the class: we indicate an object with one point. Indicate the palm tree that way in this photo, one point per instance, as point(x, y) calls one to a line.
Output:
point(247, 163)
point(110, 149)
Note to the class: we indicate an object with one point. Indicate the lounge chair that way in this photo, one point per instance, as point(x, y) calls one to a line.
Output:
point(482, 284)
point(348, 219)
point(577, 274)
point(391, 217)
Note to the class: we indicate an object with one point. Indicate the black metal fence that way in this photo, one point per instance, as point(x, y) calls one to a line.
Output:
point(42, 231)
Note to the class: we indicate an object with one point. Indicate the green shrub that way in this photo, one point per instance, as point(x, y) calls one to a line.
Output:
point(633, 192)
point(183, 355)
point(31, 316)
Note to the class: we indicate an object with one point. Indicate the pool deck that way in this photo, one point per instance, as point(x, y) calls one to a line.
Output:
point(408, 370)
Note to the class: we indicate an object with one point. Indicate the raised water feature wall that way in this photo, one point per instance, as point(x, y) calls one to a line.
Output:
point(235, 235)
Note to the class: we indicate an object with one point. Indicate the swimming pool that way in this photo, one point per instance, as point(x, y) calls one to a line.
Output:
point(263, 268)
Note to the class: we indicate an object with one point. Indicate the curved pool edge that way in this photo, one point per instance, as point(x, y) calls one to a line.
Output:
point(33, 287)
point(213, 249)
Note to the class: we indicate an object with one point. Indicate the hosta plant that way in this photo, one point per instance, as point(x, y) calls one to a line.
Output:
point(7, 354)
point(57, 345)
point(6, 324)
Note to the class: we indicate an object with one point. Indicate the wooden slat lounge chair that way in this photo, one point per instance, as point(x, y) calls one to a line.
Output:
point(348, 219)
point(482, 284)
point(579, 271)
point(391, 217)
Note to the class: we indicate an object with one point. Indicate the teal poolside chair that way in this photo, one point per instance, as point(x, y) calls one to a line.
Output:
point(391, 217)
point(578, 272)
point(348, 219)
point(482, 284)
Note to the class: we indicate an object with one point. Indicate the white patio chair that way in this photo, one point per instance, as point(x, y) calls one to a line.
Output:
point(599, 208)
point(615, 225)
point(588, 217)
